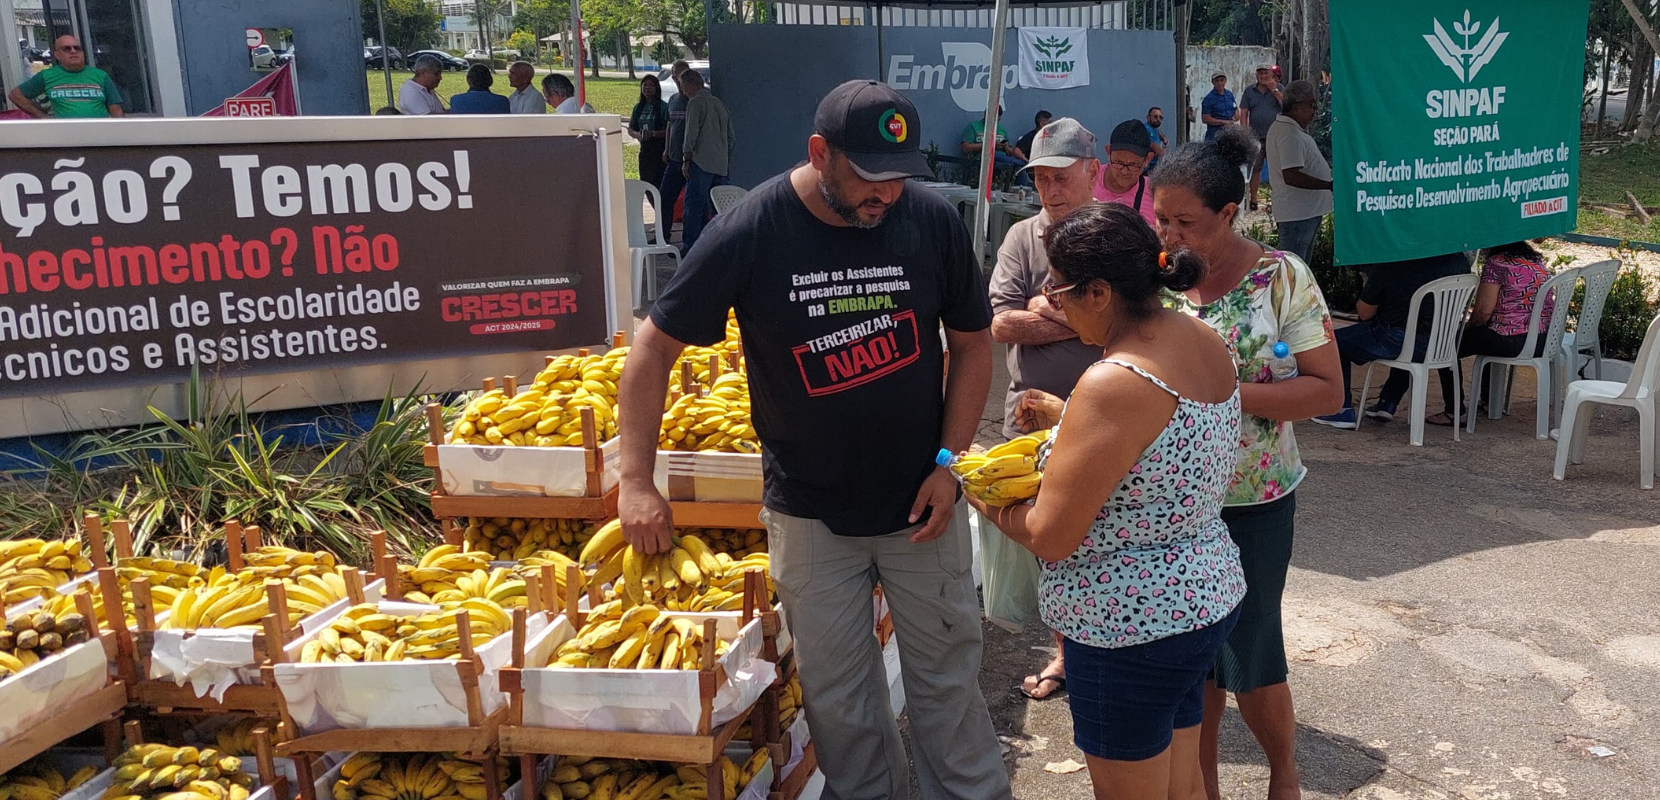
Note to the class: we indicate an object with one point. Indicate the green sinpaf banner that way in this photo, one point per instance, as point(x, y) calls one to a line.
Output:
point(1455, 125)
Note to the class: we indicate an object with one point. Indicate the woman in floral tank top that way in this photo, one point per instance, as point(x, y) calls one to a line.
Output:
point(1254, 297)
point(1140, 575)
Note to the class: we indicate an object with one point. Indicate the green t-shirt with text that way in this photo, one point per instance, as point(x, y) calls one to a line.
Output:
point(74, 95)
point(975, 133)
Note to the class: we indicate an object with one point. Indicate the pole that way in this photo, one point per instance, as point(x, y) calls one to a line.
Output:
point(881, 70)
point(581, 59)
point(1182, 122)
point(385, 53)
point(1602, 105)
point(988, 142)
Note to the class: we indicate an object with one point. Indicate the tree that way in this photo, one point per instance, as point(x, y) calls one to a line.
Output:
point(485, 14)
point(543, 18)
point(1651, 114)
point(410, 24)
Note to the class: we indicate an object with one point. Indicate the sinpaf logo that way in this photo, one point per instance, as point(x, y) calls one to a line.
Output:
point(1465, 60)
point(1052, 49)
point(893, 126)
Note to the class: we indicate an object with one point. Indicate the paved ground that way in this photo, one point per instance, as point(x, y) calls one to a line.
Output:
point(1460, 624)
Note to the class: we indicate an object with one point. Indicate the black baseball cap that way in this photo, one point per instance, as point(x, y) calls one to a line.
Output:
point(1131, 136)
point(876, 127)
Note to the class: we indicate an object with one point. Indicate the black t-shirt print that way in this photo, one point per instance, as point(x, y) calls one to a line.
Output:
point(841, 337)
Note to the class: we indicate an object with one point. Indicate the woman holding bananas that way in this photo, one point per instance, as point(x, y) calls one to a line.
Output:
point(1139, 574)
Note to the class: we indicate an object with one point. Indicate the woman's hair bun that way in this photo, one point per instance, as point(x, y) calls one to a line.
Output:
point(1183, 269)
point(1236, 146)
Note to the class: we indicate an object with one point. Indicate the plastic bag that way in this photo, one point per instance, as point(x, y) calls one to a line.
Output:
point(1011, 576)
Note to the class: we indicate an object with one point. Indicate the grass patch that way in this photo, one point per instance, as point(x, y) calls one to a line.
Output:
point(1606, 179)
point(606, 95)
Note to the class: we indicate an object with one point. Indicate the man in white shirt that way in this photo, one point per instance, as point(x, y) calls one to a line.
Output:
point(1298, 172)
point(561, 94)
point(416, 96)
point(524, 99)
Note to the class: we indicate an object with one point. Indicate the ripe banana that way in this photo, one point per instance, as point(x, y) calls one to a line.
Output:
point(643, 637)
point(364, 634)
point(160, 772)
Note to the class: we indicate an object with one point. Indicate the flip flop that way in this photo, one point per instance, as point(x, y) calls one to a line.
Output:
point(1431, 420)
point(1058, 680)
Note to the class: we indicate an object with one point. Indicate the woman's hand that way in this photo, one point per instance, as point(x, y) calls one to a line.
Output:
point(1037, 410)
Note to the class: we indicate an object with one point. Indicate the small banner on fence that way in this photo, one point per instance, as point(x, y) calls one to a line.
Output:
point(1054, 58)
point(1454, 126)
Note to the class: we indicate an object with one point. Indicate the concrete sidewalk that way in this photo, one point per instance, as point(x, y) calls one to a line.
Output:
point(1460, 624)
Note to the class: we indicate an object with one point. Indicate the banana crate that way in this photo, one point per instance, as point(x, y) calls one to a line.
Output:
point(54, 677)
point(642, 670)
point(445, 679)
point(62, 773)
point(224, 644)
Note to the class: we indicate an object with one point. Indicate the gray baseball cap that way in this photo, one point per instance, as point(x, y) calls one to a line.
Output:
point(1060, 144)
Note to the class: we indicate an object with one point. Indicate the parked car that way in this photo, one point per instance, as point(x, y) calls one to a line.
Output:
point(263, 57)
point(372, 58)
point(283, 57)
point(451, 63)
point(670, 89)
point(34, 54)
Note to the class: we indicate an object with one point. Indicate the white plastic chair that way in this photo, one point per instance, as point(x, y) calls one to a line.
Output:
point(1599, 279)
point(1452, 301)
point(1638, 392)
point(1546, 365)
point(641, 252)
point(726, 196)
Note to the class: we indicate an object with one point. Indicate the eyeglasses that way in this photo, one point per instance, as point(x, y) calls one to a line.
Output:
point(1123, 166)
point(1053, 290)
point(71, 48)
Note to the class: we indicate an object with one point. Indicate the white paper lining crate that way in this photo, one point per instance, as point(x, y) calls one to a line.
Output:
point(61, 696)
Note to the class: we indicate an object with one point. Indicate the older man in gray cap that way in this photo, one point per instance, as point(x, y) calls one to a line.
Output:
point(1044, 352)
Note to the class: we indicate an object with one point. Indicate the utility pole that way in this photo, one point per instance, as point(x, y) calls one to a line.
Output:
point(1183, 10)
point(385, 52)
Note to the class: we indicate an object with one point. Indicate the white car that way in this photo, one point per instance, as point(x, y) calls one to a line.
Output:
point(669, 87)
point(263, 57)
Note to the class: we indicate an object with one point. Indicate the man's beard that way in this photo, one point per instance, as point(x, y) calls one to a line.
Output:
point(1156, 124)
point(848, 213)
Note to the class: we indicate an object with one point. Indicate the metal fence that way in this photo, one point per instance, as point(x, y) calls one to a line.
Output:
point(1121, 15)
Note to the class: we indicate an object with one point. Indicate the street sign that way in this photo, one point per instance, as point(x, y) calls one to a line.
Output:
point(255, 38)
point(250, 107)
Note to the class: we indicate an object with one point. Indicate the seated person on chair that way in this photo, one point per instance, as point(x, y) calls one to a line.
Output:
point(1511, 275)
point(1007, 155)
point(1383, 306)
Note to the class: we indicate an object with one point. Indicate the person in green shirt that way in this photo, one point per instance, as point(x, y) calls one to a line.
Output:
point(1007, 155)
point(76, 91)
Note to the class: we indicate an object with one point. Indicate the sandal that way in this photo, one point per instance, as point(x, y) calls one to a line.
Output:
point(1058, 680)
point(1442, 420)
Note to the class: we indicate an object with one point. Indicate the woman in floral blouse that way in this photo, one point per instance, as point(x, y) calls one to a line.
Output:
point(1254, 297)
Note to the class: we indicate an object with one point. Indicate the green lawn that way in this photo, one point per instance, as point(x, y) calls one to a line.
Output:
point(606, 95)
point(1606, 179)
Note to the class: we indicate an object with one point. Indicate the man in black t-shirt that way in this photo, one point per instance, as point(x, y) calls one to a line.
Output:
point(1384, 303)
point(841, 275)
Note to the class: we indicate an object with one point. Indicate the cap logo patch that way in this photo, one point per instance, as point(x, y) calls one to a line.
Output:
point(893, 126)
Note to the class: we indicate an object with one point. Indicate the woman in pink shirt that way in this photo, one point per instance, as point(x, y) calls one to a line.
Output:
point(1511, 275)
point(1121, 180)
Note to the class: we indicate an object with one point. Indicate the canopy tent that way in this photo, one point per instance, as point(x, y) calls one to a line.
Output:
point(1000, 12)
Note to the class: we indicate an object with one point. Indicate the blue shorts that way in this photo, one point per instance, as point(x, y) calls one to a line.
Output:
point(1128, 701)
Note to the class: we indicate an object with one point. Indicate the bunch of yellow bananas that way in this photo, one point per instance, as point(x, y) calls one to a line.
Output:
point(238, 739)
point(412, 776)
point(507, 539)
point(718, 421)
point(641, 637)
point(446, 574)
point(1005, 474)
point(238, 599)
point(159, 772)
point(33, 636)
point(365, 634)
point(583, 778)
point(41, 782)
point(735, 542)
point(168, 578)
point(548, 413)
point(288, 562)
point(690, 577)
point(29, 568)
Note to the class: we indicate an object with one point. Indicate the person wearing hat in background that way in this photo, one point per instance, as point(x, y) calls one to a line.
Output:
point(850, 414)
point(1044, 352)
point(1218, 108)
point(1123, 179)
point(1261, 103)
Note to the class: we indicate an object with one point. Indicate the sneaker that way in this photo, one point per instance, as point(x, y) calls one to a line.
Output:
point(1344, 419)
point(1381, 410)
